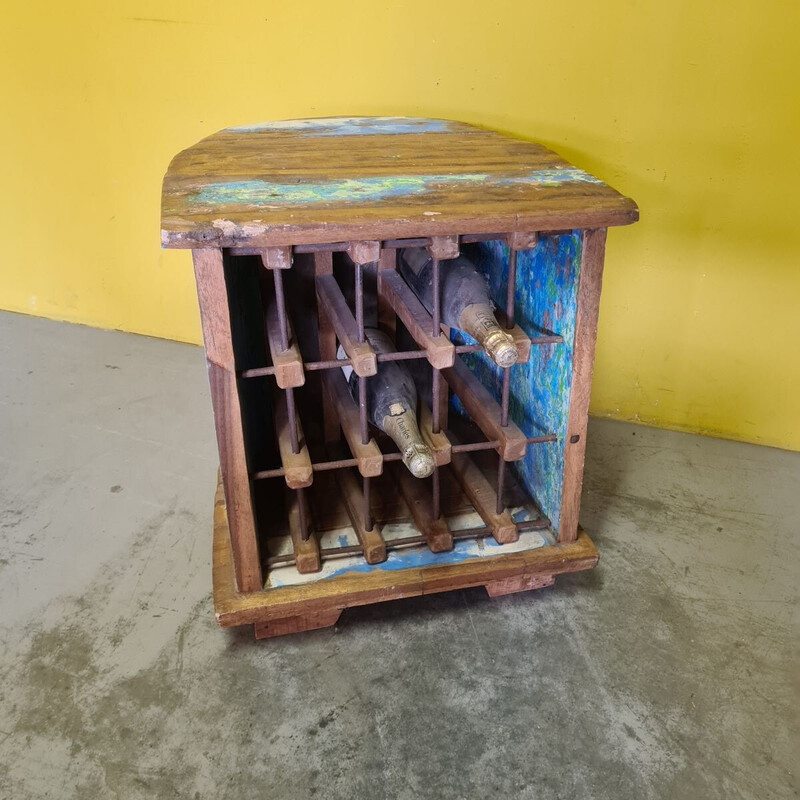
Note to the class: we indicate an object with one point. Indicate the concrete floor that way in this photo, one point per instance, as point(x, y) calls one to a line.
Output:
point(668, 672)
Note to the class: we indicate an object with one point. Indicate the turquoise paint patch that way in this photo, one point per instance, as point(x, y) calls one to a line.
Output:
point(545, 299)
point(351, 126)
point(374, 188)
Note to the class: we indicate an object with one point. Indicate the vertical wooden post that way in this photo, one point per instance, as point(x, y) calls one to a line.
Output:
point(590, 282)
point(215, 318)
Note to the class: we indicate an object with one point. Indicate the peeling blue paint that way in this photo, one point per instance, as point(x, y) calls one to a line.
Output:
point(351, 126)
point(546, 299)
point(373, 188)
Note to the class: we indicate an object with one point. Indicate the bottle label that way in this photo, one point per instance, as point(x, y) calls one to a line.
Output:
point(485, 320)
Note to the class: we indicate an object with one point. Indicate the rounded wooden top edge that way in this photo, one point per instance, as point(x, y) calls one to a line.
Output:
point(625, 213)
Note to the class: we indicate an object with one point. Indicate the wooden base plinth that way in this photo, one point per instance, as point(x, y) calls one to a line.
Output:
point(303, 607)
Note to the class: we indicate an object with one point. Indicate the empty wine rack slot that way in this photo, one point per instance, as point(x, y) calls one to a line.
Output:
point(323, 356)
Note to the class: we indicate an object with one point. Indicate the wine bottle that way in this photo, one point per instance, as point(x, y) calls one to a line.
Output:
point(465, 303)
point(392, 404)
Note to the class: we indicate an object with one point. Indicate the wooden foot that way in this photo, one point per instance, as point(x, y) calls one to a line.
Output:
point(518, 583)
point(298, 624)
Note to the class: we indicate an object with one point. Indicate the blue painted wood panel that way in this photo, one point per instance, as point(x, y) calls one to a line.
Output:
point(546, 299)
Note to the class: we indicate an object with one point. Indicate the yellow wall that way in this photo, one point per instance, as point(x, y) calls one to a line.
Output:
point(690, 107)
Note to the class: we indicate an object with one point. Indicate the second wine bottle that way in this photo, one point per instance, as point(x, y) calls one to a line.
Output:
point(465, 303)
point(392, 404)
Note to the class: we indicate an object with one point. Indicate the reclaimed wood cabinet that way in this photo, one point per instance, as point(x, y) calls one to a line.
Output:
point(294, 228)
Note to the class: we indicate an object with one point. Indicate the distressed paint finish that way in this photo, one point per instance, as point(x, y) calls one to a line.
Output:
point(360, 178)
point(410, 557)
point(351, 126)
point(258, 193)
point(546, 296)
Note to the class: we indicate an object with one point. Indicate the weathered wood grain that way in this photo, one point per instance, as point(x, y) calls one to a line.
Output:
point(332, 305)
point(484, 498)
point(397, 294)
point(420, 505)
point(371, 541)
point(438, 442)
point(306, 551)
point(484, 411)
point(345, 591)
point(298, 472)
point(590, 282)
point(290, 183)
point(289, 372)
point(370, 460)
point(215, 321)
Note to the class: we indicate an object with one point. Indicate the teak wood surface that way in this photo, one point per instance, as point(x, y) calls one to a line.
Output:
point(346, 179)
point(317, 604)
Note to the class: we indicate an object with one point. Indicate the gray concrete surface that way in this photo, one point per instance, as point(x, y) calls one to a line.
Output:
point(668, 672)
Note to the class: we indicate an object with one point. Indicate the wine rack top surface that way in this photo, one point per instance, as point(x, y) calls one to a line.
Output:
point(336, 179)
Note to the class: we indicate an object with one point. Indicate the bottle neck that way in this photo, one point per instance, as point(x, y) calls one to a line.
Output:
point(479, 321)
point(401, 425)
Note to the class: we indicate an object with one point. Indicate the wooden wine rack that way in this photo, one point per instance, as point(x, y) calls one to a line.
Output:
point(284, 220)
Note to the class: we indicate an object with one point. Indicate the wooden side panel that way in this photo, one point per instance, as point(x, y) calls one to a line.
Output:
point(546, 302)
point(215, 319)
point(589, 285)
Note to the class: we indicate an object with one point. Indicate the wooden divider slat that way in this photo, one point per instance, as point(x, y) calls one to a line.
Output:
point(371, 541)
point(485, 412)
point(438, 442)
point(288, 363)
point(298, 471)
point(331, 304)
point(441, 352)
point(481, 494)
point(306, 553)
point(420, 505)
point(370, 459)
